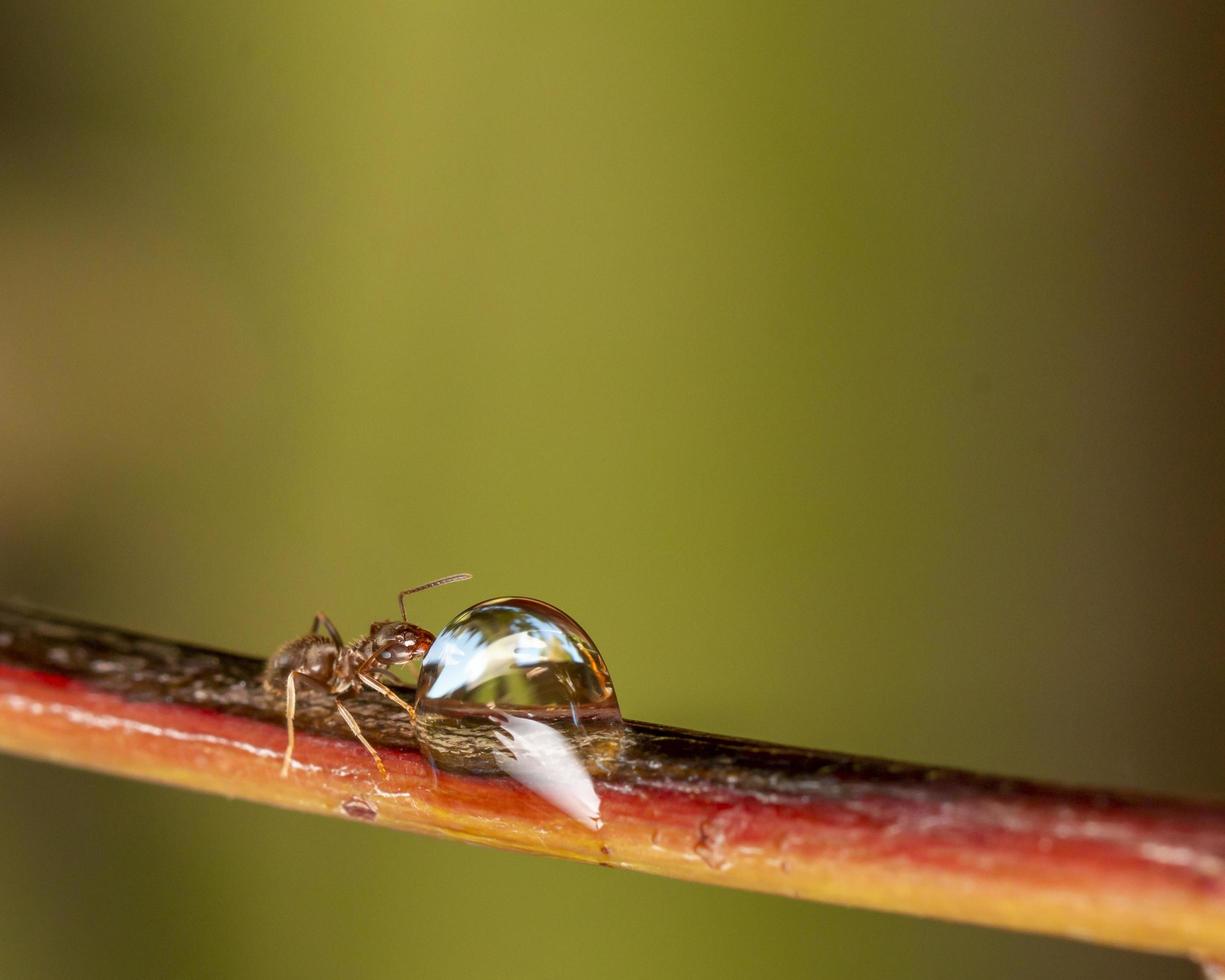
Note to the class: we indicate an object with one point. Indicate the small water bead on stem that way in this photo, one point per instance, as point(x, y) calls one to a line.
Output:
point(515, 687)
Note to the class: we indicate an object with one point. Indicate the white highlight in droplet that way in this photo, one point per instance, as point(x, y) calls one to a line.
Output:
point(544, 761)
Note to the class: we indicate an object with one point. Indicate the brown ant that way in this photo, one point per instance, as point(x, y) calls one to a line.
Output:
point(341, 670)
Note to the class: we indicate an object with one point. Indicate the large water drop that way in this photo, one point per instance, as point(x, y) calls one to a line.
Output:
point(516, 687)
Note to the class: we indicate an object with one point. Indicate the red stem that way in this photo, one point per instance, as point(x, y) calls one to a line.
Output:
point(1117, 868)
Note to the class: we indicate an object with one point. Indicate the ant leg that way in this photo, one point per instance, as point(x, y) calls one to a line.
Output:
point(372, 661)
point(291, 703)
point(387, 692)
point(352, 723)
point(321, 619)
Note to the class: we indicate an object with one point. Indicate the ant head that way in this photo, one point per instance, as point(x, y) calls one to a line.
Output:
point(401, 643)
point(395, 643)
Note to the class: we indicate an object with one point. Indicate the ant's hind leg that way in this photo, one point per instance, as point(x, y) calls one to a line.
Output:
point(353, 727)
point(291, 703)
point(321, 619)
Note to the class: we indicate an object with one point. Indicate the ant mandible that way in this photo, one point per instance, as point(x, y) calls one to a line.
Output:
point(341, 670)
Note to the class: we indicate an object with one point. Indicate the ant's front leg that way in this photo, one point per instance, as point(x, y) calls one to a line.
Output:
point(321, 619)
point(382, 688)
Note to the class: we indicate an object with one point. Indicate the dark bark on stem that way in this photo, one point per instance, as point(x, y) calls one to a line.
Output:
point(911, 838)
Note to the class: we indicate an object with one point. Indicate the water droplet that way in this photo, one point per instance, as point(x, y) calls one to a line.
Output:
point(359, 809)
point(59, 656)
point(710, 849)
point(516, 687)
point(716, 837)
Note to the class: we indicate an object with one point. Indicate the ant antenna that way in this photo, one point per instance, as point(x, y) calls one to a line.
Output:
point(461, 577)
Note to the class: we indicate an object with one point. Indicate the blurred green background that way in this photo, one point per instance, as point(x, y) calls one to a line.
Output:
point(851, 371)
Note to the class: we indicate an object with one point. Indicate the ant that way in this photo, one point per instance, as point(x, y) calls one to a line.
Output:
point(341, 670)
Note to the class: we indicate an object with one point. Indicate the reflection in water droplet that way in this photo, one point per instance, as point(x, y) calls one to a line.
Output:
point(517, 687)
point(542, 760)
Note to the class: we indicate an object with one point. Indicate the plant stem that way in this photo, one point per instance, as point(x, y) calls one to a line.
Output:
point(1116, 868)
